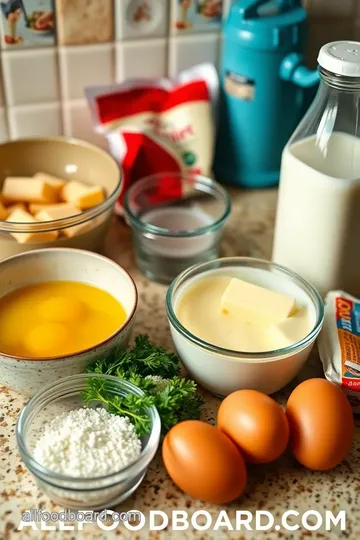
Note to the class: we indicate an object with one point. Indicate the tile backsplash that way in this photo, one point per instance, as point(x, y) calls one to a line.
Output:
point(81, 22)
point(52, 49)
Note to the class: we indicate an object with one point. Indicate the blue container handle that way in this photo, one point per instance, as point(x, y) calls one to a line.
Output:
point(292, 69)
point(249, 8)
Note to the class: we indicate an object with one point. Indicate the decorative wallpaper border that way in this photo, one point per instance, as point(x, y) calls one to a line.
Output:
point(37, 23)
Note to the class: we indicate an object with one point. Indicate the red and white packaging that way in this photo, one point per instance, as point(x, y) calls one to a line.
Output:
point(157, 126)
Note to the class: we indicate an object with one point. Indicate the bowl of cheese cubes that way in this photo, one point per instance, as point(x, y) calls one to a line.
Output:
point(55, 192)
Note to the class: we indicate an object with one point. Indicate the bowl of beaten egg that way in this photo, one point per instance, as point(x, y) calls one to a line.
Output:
point(60, 309)
point(55, 192)
point(243, 323)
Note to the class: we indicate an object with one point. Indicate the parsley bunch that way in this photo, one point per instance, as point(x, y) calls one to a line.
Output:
point(156, 372)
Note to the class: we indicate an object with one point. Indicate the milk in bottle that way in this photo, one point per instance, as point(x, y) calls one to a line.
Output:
point(317, 232)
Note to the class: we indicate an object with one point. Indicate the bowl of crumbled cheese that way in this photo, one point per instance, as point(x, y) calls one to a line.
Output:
point(87, 457)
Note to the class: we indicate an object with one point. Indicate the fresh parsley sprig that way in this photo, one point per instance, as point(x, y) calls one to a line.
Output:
point(143, 365)
point(177, 402)
point(145, 358)
point(132, 406)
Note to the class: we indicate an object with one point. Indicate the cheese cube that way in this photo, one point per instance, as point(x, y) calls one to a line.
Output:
point(251, 302)
point(18, 206)
point(24, 189)
point(37, 207)
point(82, 195)
point(4, 212)
point(53, 181)
point(92, 197)
point(52, 213)
point(292, 329)
point(21, 216)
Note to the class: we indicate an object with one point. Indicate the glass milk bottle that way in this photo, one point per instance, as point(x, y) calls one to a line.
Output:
point(317, 232)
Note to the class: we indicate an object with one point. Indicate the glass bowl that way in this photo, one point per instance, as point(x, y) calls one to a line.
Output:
point(177, 221)
point(223, 371)
point(82, 493)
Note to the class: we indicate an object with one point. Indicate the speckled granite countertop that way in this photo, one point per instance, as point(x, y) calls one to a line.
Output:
point(277, 487)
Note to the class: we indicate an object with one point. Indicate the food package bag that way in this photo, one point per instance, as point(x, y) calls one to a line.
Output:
point(158, 126)
point(339, 344)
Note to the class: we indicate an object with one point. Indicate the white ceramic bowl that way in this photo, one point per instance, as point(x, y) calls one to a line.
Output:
point(27, 375)
point(223, 371)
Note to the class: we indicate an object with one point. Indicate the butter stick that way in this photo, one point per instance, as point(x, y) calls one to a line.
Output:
point(53, 181)
point(251, 302)
point(59, 212)
point(21, 216)
point(4, 212)
point(22, 189)
point(38, 207)
point(82, 195)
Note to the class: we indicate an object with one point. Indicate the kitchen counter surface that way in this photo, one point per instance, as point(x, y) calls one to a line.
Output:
point(277, 487)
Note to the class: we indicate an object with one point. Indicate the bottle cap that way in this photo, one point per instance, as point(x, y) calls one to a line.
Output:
point(341, 58)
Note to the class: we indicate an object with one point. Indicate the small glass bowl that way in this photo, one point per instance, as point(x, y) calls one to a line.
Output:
point(177, 221)
point(82, 493)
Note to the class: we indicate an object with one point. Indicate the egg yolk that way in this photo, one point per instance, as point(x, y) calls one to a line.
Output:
point(43, 339)
point(62, 309)
point(57, 318)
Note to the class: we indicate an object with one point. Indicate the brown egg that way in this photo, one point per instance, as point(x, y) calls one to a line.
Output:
point(256, 423)
point(321, 424)
point(204, 462)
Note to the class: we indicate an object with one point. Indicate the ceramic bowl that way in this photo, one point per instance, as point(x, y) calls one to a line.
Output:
point(27, 375)
point(69, 159)
point(223, 371)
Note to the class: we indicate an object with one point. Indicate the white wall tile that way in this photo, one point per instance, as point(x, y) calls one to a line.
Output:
point(221, 47)
point(30, 76)
point(3, 126)
point(78, 123)
point(195, 16)
point(145, 58)
point(81, 66)
point(35, 120)
point(187, 51)
point(136, 19)
point(2, 101)
point(226, 7)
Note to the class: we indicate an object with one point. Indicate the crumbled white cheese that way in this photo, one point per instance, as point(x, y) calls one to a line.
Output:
point(159, 382)
point(87, 443)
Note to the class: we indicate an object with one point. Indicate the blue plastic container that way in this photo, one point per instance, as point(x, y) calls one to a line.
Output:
point(264, 89)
